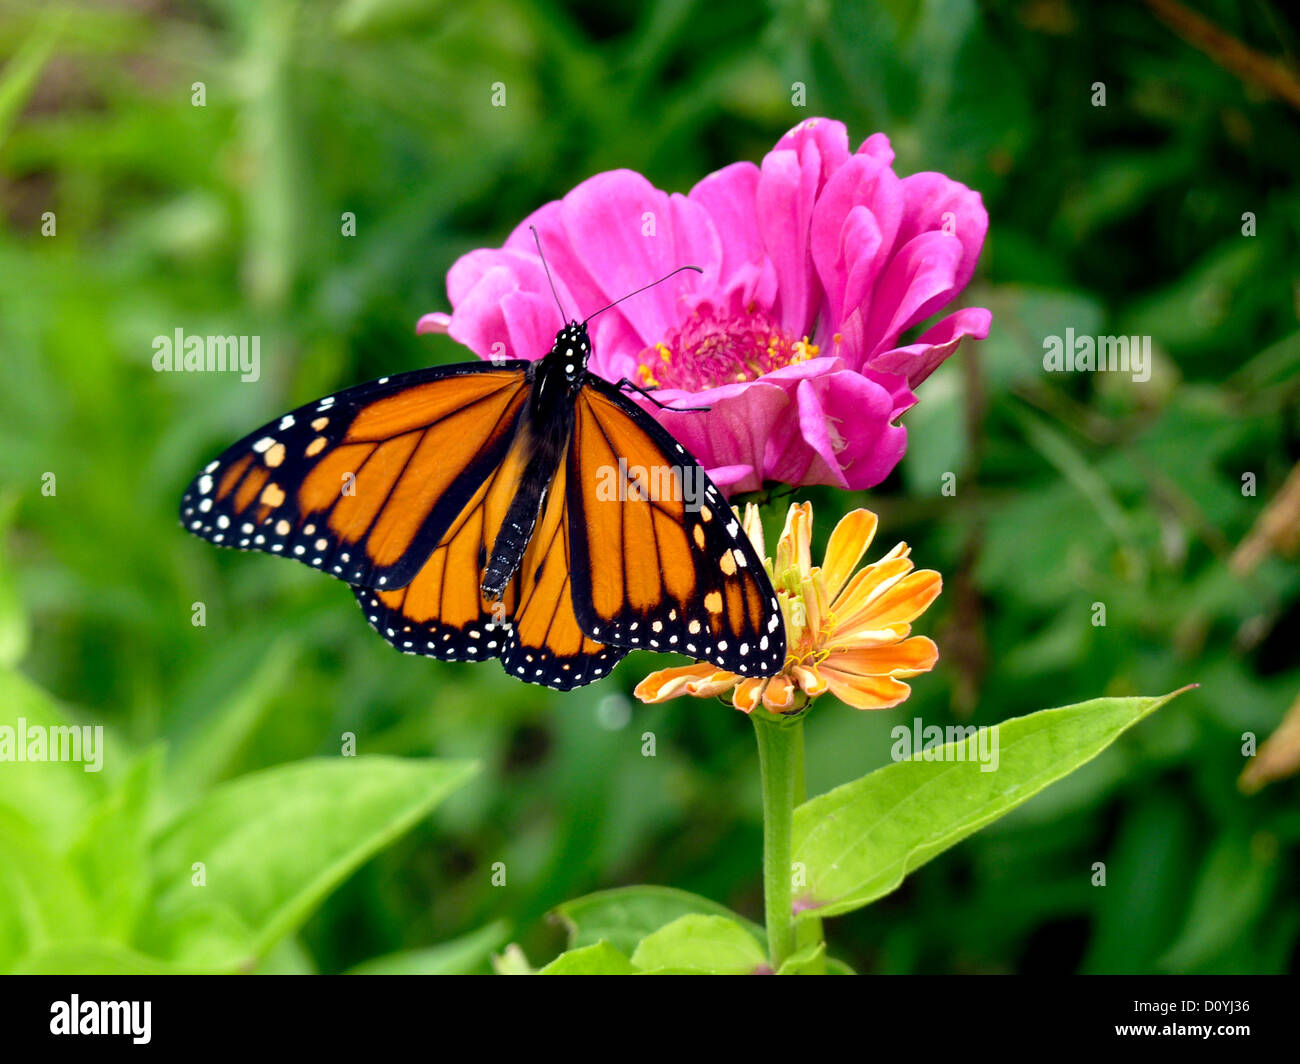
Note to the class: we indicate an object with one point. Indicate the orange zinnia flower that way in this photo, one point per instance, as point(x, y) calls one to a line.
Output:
point(846, 632)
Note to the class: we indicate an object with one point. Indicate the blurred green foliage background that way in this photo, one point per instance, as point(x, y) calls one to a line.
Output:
point(1071, 490)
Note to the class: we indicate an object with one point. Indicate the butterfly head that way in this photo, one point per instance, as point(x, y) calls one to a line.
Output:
point(572, 349)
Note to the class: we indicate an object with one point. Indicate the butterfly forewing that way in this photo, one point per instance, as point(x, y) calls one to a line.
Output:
point(365, 483)
point(659, 559)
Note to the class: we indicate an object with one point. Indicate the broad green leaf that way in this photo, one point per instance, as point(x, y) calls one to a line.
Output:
point(626, 915)
point(598, 959)
point(273, 844)
point(112, 852)
point(287, 957)
point(54, 798)
point(92, 957)
point(811, 960)
point(41, 898)
point(204, 755)
point(696, 944)
point(857, 842)
point(461, 956)
point(206, 936)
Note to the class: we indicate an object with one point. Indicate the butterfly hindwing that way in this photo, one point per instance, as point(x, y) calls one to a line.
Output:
point(659, 559)
point(363, 484)
point(441, 613)
point(546, 644)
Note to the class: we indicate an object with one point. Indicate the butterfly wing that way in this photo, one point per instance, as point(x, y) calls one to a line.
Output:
point(364, 484)
point(659, 560)
point(546, 644)
point(441, 613)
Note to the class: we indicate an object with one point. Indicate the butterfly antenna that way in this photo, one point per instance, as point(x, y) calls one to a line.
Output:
point(550, 280)
point(642, 289)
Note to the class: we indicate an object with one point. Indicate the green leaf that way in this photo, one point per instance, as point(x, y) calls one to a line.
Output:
point(1234, 887)
point(273, 844)
point(205, 754)
point(696, 944)
point(41, 898)
point(54, 798)
point(598, 959)
point(112, 852)
point(857, 842)
point(626, 915)
point(15, 630)
point(206, 936)
point(92, 957)
point(23, 71)
point(461, 956)
point(811, 960)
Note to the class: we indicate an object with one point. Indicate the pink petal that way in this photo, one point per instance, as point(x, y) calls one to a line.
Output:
point(823, 139)
point(854, 226)
point(627, 234)
point(436, 322)
point(787, 190)
point(729, 196)
point(843, 435)
point(918, 281)
point(730, 439)
point(878, 147)
point(938, 202)
point(917, 361)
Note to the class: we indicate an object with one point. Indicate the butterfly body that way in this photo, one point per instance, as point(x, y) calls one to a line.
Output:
point(554, 382)
point(487, 510)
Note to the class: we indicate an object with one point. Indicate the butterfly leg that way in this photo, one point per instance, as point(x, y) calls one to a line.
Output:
point(628, 385)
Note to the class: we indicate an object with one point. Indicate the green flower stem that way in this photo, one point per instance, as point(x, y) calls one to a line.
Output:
point(780, 759)
point(808, 932)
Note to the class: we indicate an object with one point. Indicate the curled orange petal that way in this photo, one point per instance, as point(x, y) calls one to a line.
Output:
point(700, 680)
point(778, 695)
point(794, 548)
point(748, 694)
point(810, 681)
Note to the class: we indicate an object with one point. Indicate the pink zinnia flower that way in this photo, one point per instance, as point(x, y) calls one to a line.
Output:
point(815, 264)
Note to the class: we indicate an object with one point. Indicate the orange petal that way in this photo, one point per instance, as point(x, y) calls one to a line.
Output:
point(778, 695)
point(752, 523)
point(908, 658)
point(814, 604)
point(865, 638)
point(903, 601)
point(794, 548)
point(865, 692)
point(848, 543)
point(700, 680)
point(810, 681)
point(748, 694)
point(868, 583)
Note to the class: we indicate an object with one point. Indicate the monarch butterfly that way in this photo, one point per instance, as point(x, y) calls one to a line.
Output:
point(470, 508)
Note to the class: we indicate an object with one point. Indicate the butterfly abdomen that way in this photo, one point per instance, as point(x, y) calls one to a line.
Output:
point(550, 422)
